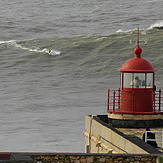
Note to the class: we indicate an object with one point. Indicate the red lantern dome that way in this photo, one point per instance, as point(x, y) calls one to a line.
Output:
point(137, 64)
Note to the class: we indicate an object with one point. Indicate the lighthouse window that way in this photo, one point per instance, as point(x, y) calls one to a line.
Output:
point(135, 80)
point(127, 80)
point(149, 80)
point(138, 80)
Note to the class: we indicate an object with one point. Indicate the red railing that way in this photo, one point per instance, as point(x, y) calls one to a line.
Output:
point(114, 98)
point(157, 101)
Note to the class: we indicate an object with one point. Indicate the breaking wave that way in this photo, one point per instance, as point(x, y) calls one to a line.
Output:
point(158, 24)
point(15, 43)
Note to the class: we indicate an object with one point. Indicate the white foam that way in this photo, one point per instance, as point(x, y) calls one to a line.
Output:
point(157, 24)
point(54, 52)
point(36, 49)
point(10, 42)
point(125, 31)
point(119, 31)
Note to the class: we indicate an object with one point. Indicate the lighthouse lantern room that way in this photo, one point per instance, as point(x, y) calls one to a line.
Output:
point(137, 85)
point(137, 94)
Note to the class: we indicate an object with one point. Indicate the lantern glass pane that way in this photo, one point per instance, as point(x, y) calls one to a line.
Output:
point(149, 80)
point(138, 80)
point(127, 80)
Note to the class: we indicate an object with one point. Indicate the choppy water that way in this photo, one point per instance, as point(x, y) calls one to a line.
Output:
point(44, 97)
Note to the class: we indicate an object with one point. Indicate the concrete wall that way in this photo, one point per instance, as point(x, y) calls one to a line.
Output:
point(112, 138)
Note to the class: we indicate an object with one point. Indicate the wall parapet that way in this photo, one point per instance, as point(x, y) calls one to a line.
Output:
point(77, 158)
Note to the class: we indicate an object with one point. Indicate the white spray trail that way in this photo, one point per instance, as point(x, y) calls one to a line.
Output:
point(36, 49)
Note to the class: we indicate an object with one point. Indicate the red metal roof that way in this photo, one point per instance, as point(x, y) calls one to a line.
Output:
point(137, 64)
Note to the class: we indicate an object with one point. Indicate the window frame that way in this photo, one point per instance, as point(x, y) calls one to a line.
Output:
point(146, 79)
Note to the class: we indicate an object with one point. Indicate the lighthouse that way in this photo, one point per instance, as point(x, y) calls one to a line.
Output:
point(131, 109)
point(137, 85)
point(137, 99)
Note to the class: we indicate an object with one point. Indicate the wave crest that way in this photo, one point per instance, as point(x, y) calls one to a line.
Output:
point(31, 49)
point(158, 24)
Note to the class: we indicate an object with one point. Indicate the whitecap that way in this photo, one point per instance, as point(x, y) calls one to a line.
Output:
point(158, 24)
point(125, 31)
point(9, 42)
point(35, 49)
point(53, 52)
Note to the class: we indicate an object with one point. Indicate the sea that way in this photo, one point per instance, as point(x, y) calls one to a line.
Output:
point(44, 96)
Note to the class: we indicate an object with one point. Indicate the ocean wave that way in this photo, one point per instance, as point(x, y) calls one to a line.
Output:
point(9, 42)
point(125, 31)
point(158, 24)
point(15, 43)
point(132, 31)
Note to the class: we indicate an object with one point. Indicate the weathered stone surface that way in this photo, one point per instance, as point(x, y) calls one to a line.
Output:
point(97, 159)
point(84, 158)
